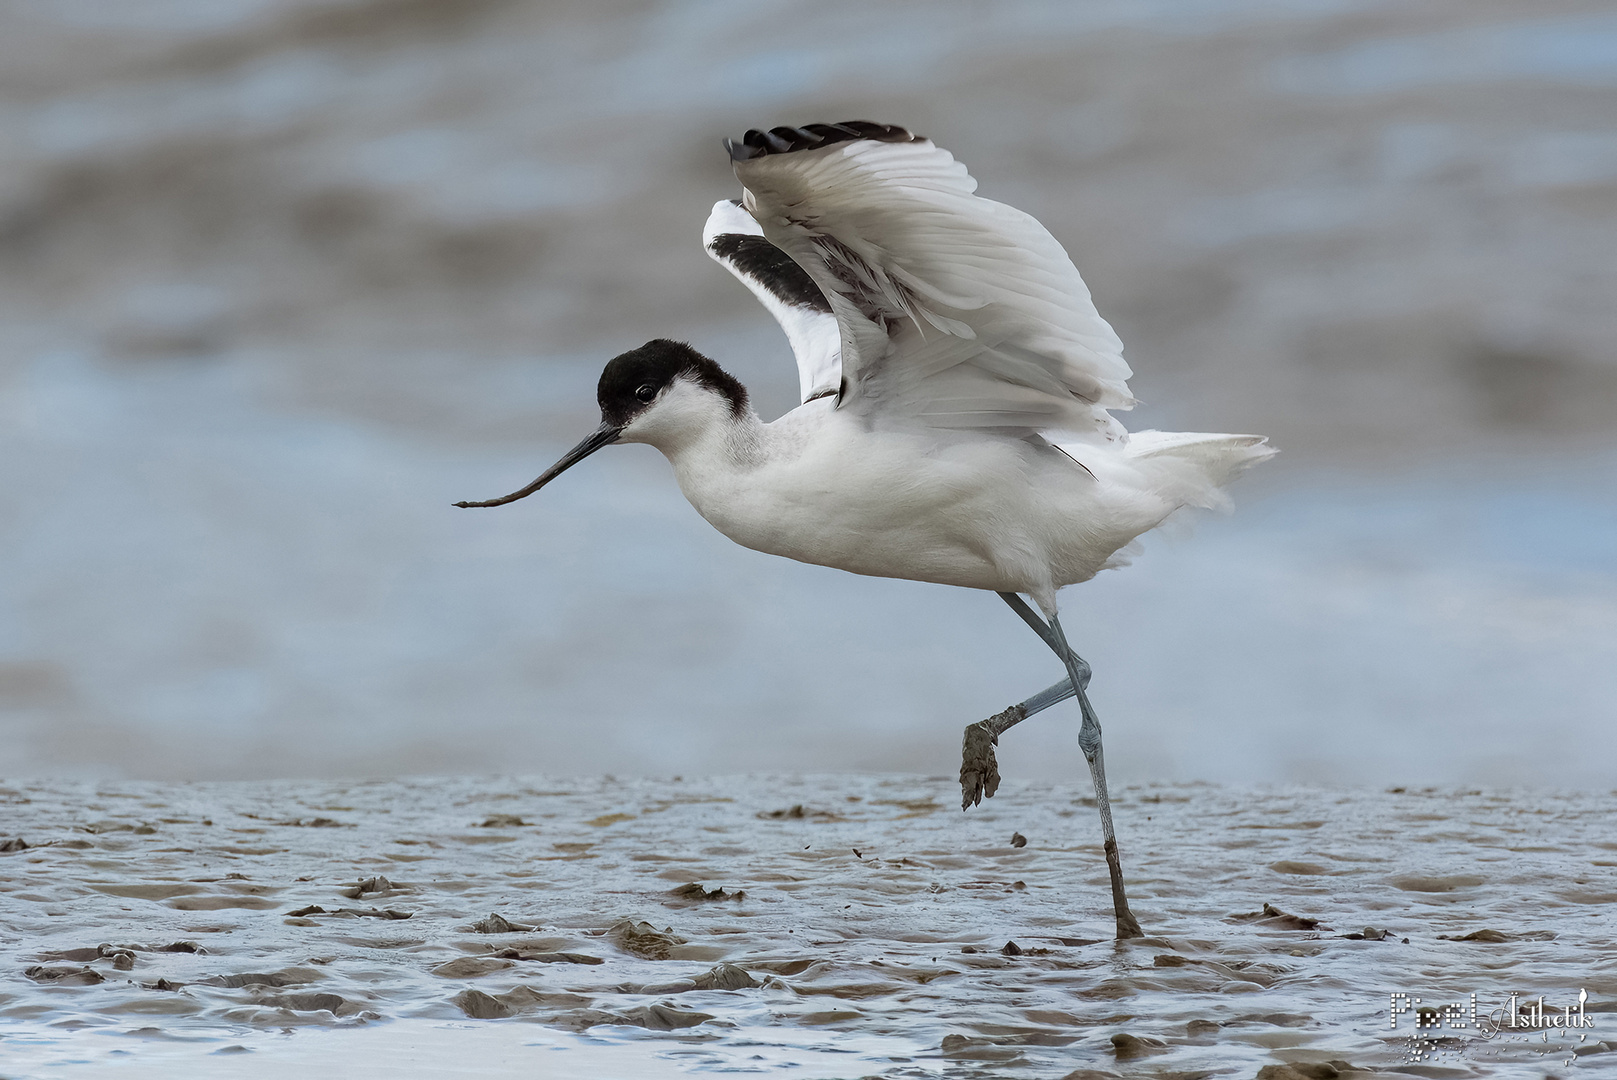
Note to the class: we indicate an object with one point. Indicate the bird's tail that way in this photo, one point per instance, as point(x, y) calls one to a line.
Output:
point(1191, 468)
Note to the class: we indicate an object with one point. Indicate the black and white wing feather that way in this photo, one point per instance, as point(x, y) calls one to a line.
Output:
point(734, 239)
point(957, 311)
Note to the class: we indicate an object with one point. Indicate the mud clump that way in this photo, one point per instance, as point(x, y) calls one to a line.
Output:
point(1436, 883)
point(65, 976)
point(1292, 866)
point(652, 1017)
point(978, 1048)
point(1286, 1020)
point(350, 913)
point(550, 957)
point(181, 947)
point(643, 940)
point(481, 1006)
point(377, 884)
point(499, 924)
point(1280, 920)
point(470, 967)
point(695, 891)
point(726, 977)
point(797, 813)
point(1311, 1070)
point(331, 1003)
point(1127, 1046)
point(122, 957)
point(285, 977)
point(1000, 1047)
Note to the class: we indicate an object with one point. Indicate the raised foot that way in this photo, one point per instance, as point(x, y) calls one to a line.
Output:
point(979, 771)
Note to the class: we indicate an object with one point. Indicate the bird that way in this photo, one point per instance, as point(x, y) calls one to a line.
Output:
point(957, 392)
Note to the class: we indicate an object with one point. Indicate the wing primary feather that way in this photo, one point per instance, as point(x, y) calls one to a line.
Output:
point(953, 310)
point(785, 140)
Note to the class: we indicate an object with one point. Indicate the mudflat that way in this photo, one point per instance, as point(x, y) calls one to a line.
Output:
point(846, 925)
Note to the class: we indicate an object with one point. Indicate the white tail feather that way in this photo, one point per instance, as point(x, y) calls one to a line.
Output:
point(1192, 467)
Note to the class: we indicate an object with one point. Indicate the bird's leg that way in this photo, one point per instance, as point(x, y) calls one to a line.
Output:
point(979, 771)
point(1058, 645)
point(1089, 743)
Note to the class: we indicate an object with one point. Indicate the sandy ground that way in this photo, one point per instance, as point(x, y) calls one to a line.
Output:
point(842, 926)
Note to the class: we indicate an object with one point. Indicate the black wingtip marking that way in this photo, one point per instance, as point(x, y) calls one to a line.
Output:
point(770, 267)
point(785, 140)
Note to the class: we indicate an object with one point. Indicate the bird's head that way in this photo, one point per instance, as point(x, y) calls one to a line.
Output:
point(660, 393)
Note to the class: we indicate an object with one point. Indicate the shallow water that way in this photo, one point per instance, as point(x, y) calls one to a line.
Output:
point(872, 914)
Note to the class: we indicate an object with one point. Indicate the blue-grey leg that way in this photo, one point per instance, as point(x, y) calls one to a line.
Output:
point(1089, 743)
point(979, 768)
point(983, 736)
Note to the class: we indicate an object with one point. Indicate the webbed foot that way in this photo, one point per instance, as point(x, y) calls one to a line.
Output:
point(979, 770)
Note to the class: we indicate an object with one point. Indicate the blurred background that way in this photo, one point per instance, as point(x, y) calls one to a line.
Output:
point(282, 279)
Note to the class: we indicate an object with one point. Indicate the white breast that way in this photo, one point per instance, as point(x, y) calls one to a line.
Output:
point(819, 487)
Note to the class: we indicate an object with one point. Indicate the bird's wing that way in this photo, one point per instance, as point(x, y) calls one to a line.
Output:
point(734, 239)
point(957, 311)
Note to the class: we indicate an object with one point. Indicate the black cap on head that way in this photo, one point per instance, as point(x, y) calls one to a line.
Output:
point(632, 381)
point(629, 386)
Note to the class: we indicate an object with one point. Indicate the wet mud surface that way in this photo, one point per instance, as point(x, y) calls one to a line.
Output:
point(850, 926)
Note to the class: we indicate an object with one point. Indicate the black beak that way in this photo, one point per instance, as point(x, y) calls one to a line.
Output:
point(601, 436)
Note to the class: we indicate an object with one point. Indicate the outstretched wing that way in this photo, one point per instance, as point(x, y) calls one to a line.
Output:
point(734, 239)
point(957, 311)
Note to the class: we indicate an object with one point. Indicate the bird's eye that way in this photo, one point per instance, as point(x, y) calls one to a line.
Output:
point(646, 392)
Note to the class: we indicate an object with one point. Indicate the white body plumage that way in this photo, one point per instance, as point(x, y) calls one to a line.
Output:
point(822, 485)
